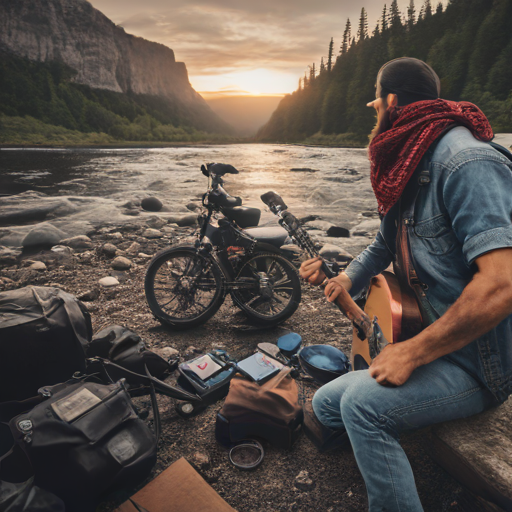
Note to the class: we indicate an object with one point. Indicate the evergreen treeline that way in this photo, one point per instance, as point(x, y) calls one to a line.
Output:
point(45, 92)
point(469, 44)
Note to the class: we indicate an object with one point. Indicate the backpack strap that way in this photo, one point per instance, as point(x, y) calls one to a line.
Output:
point(503, 150)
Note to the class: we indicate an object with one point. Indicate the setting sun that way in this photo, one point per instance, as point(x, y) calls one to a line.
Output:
point(251, 82)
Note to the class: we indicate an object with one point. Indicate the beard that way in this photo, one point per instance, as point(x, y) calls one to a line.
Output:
point(383, 123)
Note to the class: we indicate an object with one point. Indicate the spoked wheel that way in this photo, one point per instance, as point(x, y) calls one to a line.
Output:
point(267, 289)
point(183, 288)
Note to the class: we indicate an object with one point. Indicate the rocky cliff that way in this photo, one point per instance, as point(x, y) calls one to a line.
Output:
point(103, 55)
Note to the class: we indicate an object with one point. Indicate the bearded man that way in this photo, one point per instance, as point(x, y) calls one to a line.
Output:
point(450, 194)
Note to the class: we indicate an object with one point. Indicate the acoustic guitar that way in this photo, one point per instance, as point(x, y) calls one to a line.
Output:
point(397, 312)
point(389, 310)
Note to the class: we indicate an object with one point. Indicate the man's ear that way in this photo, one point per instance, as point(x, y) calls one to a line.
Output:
point(392, 100)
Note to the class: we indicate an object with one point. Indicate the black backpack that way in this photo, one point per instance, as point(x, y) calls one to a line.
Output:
point(44, 333)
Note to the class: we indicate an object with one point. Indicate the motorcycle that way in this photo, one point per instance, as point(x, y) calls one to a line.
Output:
point(185, 285)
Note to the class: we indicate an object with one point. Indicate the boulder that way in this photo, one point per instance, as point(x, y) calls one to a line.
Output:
point(156, 222)
point(338, 232)
point(121, 263)
point(151, 204)
point(368, 227)
point(333, 252)
point(45, 235)
point(167, 352)
point(78, 242)
point(152, 233)
point(134, 248)
point(477, 451)
point(108, 282)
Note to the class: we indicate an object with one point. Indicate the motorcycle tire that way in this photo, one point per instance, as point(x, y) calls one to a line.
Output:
point(183, 289)
point(269, 289)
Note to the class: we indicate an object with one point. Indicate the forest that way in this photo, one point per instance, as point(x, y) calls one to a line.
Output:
point(39, 102)
point(468, 43)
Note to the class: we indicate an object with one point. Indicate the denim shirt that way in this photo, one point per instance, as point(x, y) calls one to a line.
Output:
point(463, 212)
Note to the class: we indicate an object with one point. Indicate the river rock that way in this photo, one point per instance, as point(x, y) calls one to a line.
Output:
point(151, 204)
point(368, 227)
point(333, 252)
point(78, 242)
point(152, 233)
point(338, 232)
point(62, 250)
point(186, 220)
point(121, 263)
point(303, 481)
point(8, 256)
point(201, 460)
point(37, 265)
point(321, 225)
point(108, 282)
point(109, 250)
point(303, 169)
point(168, 352)
point(192, 207)
point(133, 249)
point(90, 295)
point(43, 235)
point(156, 222)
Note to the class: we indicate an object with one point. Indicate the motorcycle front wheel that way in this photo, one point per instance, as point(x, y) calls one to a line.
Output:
point(267, 289)
point(183, 288)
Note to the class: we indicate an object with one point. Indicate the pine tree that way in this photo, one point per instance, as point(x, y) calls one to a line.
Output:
point(376, 30)
point(345, 45)
point(384, 19)
point(300, 84)
point(305, 79)
point(362, 32)
point(312, 73)
point(428, 8)
point(329, 58)
point(439, 9)
point(411, 15)
point(322, 66)
point(394, 14)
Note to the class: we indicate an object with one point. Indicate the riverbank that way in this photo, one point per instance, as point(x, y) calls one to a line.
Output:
point(336, 484)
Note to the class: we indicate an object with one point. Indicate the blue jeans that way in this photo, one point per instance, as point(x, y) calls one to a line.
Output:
point(374, 416)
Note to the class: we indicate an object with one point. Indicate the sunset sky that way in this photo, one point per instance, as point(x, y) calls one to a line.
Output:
point(240, 46)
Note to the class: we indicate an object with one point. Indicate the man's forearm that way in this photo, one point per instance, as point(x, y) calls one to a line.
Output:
point(483, 304)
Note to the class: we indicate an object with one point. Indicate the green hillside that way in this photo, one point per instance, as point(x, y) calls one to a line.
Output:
point(469, 44)
point(54, 109)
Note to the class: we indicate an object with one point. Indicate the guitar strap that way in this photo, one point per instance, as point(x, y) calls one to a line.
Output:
point(403, 265)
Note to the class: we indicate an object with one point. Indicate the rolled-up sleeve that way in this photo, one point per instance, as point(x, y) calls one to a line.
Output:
point(478, 197)
point(372, 261)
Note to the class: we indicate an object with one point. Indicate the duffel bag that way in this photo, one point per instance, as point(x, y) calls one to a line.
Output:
point(43, 337)
point(270, 411)
point(82, 441)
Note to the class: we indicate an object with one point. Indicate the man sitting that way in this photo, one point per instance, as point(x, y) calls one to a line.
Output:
point(457, 224)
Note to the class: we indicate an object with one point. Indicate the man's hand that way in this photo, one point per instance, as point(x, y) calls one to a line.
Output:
point(310, 271)
point(483, 304)
point(335, 285)
point(394, 365)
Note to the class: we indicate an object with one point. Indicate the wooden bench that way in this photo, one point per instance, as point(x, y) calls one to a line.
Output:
point(477, 452)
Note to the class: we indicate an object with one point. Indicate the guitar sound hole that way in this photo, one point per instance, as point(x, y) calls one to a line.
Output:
point(360, 363)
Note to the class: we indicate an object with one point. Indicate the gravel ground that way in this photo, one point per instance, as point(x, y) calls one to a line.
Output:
point(337, 484)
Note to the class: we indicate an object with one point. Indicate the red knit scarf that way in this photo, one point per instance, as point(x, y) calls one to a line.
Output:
point(395, 154)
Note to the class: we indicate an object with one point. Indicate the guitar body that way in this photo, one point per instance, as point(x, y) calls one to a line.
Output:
point(397, 312)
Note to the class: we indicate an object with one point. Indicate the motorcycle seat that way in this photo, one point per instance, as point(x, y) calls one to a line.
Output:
point(274, 235)
point(244, 216)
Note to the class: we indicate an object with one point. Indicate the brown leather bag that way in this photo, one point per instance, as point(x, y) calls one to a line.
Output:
point(270, 411)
